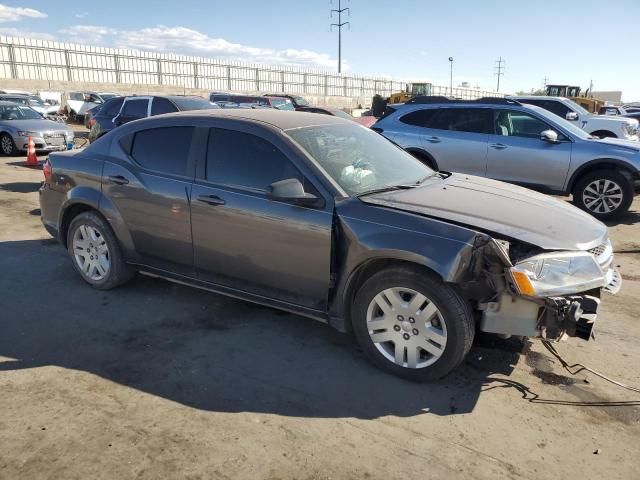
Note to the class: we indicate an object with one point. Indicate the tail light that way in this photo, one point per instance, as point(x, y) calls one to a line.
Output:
point(47, 170)
point(92, 121)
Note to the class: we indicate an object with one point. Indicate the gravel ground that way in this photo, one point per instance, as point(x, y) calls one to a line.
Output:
point(156, 380)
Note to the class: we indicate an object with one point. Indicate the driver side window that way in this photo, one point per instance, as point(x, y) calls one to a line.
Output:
point(513, 123)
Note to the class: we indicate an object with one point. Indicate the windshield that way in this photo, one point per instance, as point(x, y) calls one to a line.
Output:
point(300, 101)
point(342, 114)
point(578, 108)
point(358, 159)
point(18, 112)
point(193, 103)
point(36, 101)
point(107, 96)
point(554, 119)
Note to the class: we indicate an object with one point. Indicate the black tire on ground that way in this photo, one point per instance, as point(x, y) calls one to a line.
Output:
point(603, 134)
point(7, 145)
point(455, 312)
point(119, 272)
point(625, 188)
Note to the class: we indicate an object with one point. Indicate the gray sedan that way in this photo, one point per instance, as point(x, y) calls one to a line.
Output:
point(19, 122)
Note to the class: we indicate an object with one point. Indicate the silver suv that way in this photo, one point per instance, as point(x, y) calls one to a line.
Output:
point(503, 139)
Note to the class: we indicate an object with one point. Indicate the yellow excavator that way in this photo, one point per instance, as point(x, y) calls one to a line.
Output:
point(574, 93)
point(411, 90)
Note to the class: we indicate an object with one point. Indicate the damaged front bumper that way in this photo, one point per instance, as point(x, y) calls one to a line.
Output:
point(550, 318)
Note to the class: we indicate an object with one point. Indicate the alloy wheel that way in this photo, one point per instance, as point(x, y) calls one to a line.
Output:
point(6, 144)
point(602, 196)
point(91, 252)
point(406, 327)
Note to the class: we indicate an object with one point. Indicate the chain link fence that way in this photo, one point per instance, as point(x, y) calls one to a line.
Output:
point(34, 59)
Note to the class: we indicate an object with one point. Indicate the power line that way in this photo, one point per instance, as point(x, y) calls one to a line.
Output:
point(339, 25)
point(499, 71)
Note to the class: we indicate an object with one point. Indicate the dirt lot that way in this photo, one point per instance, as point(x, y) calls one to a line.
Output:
point(155, 380)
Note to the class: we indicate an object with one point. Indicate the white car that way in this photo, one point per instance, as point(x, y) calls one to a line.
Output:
point(601, 126)
point(78, 103)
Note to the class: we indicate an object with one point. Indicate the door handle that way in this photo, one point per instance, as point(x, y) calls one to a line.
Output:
point(118, 180)
point(211, 199)
point(498, 146)
point(434, 139)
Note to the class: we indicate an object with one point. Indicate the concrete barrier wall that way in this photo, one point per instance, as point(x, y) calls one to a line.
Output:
point(33, 64)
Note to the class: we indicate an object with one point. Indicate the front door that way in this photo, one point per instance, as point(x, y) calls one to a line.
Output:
point(149, 180)
point(457, 139)
point(247, 242)
point(518, 155)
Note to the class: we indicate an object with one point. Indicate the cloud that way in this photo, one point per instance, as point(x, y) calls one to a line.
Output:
point(17, 32)
point(183, 40)
point(81, 15)
point(14, 14)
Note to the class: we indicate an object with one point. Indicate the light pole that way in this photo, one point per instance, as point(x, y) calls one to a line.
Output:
point(451, 76)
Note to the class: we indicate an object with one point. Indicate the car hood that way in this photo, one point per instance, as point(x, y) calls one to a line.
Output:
point(500, 208)
point(628, 145)
point(36, 125)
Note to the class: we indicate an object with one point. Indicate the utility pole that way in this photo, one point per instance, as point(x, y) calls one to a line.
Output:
point(339, 25)
point(499, 71)
point(451, 76)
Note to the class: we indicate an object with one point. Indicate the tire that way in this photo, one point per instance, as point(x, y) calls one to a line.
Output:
point(7, 145)
point(615, 204)
point(89, 230)
point(604, 134)
point(424, 159)
point(443, 323)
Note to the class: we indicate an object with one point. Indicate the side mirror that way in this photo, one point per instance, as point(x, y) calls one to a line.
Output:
point(292, 191)
point(571, 116)
point(549, 136)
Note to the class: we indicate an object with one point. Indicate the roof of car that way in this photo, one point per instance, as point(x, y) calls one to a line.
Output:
point(6, 103)
point(281, 119)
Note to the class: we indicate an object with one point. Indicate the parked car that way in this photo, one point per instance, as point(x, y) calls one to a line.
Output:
point(365, 121)
point(121, 110)
point(523, 144)
point(318, 216)
point(297, 101)
point(89, 117)
point(600, 126)
point(224, 99)
point(634, 115)
point(611, 110)
point(78, 103)
point(19, 122)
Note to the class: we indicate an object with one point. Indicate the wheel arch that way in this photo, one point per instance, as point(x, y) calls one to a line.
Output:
point(599, 164)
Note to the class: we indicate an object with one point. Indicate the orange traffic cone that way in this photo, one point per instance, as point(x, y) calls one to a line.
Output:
point(32, 158)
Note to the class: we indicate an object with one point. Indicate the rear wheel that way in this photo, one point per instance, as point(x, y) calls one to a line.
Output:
point(424, 158)
point(604, 194)
point(7, 145)
point(411, 324)
point(95, 252)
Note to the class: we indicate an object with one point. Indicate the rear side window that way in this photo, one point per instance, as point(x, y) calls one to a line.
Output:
point(472, 120)
point(163, 149)
point(244, 160)
point(135, 108)
point(112, 107)
point(162, 105)
point(419, 118)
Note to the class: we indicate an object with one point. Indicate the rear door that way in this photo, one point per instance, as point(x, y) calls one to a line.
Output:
point(148, 179)
point(247, 242)
point(133, 108)
point(457, 139)
point(411, 131)
point(518, 155)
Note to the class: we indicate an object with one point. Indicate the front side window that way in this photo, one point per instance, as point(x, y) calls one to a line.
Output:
point(112, 107)
point(161, 105)
point(558, 108)
point(470, 120)
point(135, 108)
point(164, 150)
point(512, 123)
point(358, 159)
point(244, 160)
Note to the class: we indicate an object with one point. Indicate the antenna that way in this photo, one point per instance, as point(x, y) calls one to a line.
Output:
point(499, 71)
point(339, 26)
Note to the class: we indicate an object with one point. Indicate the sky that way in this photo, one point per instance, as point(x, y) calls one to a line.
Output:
point(566, 42)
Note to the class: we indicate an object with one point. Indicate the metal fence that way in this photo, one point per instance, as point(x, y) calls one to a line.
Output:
point(33, 59)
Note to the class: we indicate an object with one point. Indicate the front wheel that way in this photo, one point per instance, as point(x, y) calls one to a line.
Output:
point(605, 194)
point(411, 324)
point(7, 145)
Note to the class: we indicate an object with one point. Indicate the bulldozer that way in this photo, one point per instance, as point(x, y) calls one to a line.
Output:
point(411, 90)
point(586, 101)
